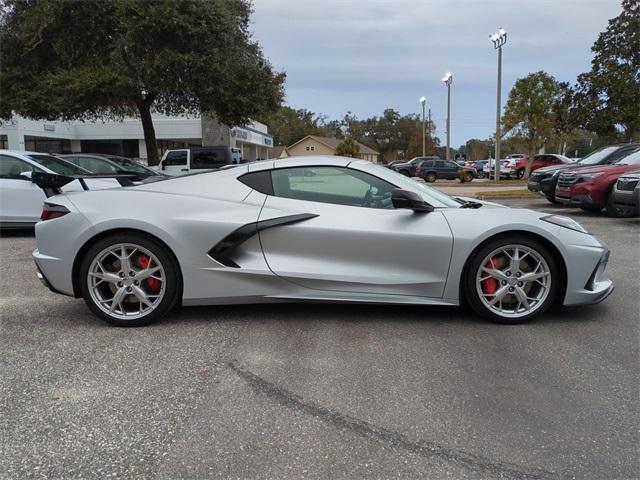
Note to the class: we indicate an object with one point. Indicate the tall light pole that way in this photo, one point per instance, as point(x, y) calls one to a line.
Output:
point(447, 79)
point(423, 101)
point(499, 38)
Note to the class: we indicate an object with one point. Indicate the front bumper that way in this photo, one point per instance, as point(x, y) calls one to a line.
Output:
point(597, 286)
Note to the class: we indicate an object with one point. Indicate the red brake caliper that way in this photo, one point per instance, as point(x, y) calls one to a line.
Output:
point(152, 283)
point(490, 285)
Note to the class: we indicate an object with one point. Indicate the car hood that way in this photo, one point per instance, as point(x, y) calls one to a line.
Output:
point(554, 168)
point(605, 169)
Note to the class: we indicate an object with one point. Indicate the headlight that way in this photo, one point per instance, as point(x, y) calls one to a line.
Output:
point(565, 222)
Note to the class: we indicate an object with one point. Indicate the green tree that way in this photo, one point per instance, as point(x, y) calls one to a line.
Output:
point(68, 59)
point(529, 111)
point(348, 148)
point(608, 97)
point(288, 125)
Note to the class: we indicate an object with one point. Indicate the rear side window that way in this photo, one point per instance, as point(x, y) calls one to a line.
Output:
point(440, 164)
point(429, 163)
point(175, 159)
point(209, 158)
point(260, 181)
point(12, 167)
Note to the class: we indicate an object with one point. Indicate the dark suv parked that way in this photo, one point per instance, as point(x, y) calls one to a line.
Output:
point(409, 168)
point(435, 168)
point(544, 180)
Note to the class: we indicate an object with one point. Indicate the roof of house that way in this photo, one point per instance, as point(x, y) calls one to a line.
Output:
point(276, 151)
point(334, 142)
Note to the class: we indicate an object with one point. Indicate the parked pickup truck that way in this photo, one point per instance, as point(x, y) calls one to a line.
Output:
point(188, 160)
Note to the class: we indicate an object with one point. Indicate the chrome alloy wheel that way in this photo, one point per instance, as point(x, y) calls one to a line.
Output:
point(513, 281)
point(126, 281)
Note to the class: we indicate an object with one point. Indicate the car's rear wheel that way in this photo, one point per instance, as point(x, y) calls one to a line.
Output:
point(520, 173)
point(430, 177)
point(129, 279)
point(467, 177)
point(512, 279)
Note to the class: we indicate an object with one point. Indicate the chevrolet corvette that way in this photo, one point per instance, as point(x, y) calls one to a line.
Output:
point(306, 229)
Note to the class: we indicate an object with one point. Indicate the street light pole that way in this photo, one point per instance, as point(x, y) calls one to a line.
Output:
point(447, 79)
point(423, 101)
point(499, 38)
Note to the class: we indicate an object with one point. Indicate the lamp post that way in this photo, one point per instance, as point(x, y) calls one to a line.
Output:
point(447, 79)
point(423, 101)
point(499, 38)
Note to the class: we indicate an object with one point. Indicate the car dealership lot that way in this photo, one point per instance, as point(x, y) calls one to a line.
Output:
point(320, 391)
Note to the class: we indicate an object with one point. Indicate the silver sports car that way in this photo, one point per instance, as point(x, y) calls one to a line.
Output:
point(312, 229)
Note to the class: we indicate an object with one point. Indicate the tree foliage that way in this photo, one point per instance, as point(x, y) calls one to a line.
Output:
point(289, 125)
point(348, 148)
point(608, 96)
point(68, 59)
point(529, 112)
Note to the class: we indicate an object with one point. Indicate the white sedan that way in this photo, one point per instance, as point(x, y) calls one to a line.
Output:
point(20, 199)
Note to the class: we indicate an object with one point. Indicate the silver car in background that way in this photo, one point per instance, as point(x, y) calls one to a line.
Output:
point(308, 229)
point(626, 194)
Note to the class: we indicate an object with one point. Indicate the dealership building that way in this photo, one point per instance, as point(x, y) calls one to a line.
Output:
point(125, 137)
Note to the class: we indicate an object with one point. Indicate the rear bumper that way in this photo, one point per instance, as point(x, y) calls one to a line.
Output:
point(42, 277)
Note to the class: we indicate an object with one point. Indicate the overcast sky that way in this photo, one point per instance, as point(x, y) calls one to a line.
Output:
point(366, 55)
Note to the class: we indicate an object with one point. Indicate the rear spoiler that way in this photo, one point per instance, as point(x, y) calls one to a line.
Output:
point(52, 183)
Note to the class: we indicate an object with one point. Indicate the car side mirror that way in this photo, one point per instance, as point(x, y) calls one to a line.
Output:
point(26, 175)
point(408, 199)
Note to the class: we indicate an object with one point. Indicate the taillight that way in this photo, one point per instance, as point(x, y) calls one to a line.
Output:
point(51, 211)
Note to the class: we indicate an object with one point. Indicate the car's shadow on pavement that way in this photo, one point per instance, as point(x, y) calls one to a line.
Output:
point(352, 313)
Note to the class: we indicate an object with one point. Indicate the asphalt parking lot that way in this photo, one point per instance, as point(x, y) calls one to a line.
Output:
point(321, 391)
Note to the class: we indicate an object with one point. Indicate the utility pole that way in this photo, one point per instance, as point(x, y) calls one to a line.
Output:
point(499, 39)
point(447, 79)
point(423, 101)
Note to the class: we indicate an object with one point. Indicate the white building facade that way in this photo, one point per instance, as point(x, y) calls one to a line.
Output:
point(126, 137)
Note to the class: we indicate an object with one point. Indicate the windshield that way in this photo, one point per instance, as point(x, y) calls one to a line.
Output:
point(631, 159)
point(597, 156)
point(57, 165)
point(131, 166)
point(429, 193)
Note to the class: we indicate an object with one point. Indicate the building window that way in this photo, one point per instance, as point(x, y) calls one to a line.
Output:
point(46, 145)
point(4, 142)
point(125, 148)
point(307, 149)
point(313, 148)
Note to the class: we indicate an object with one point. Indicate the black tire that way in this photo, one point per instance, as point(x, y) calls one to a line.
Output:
point(471, 296)
point(467, 177)
point(170, 265)
point(551, 199)
point(405, 173)
point(430, 177)
point(615, 211)
point(520, 173)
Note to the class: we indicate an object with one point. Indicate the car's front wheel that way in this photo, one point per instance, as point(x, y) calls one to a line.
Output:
point(129, 279)
point(520, 173)
point(512, 279)
point(430, 177)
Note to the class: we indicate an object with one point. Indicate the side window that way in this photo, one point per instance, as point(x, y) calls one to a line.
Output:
point(429, 163)
point(177, 158)
point(440, 164)
point(11, 167)
point(340, 186)
point(94, 165)
point(208, 158)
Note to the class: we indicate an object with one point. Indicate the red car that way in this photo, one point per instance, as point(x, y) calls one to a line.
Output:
point(590, 188)
point(539, 161)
